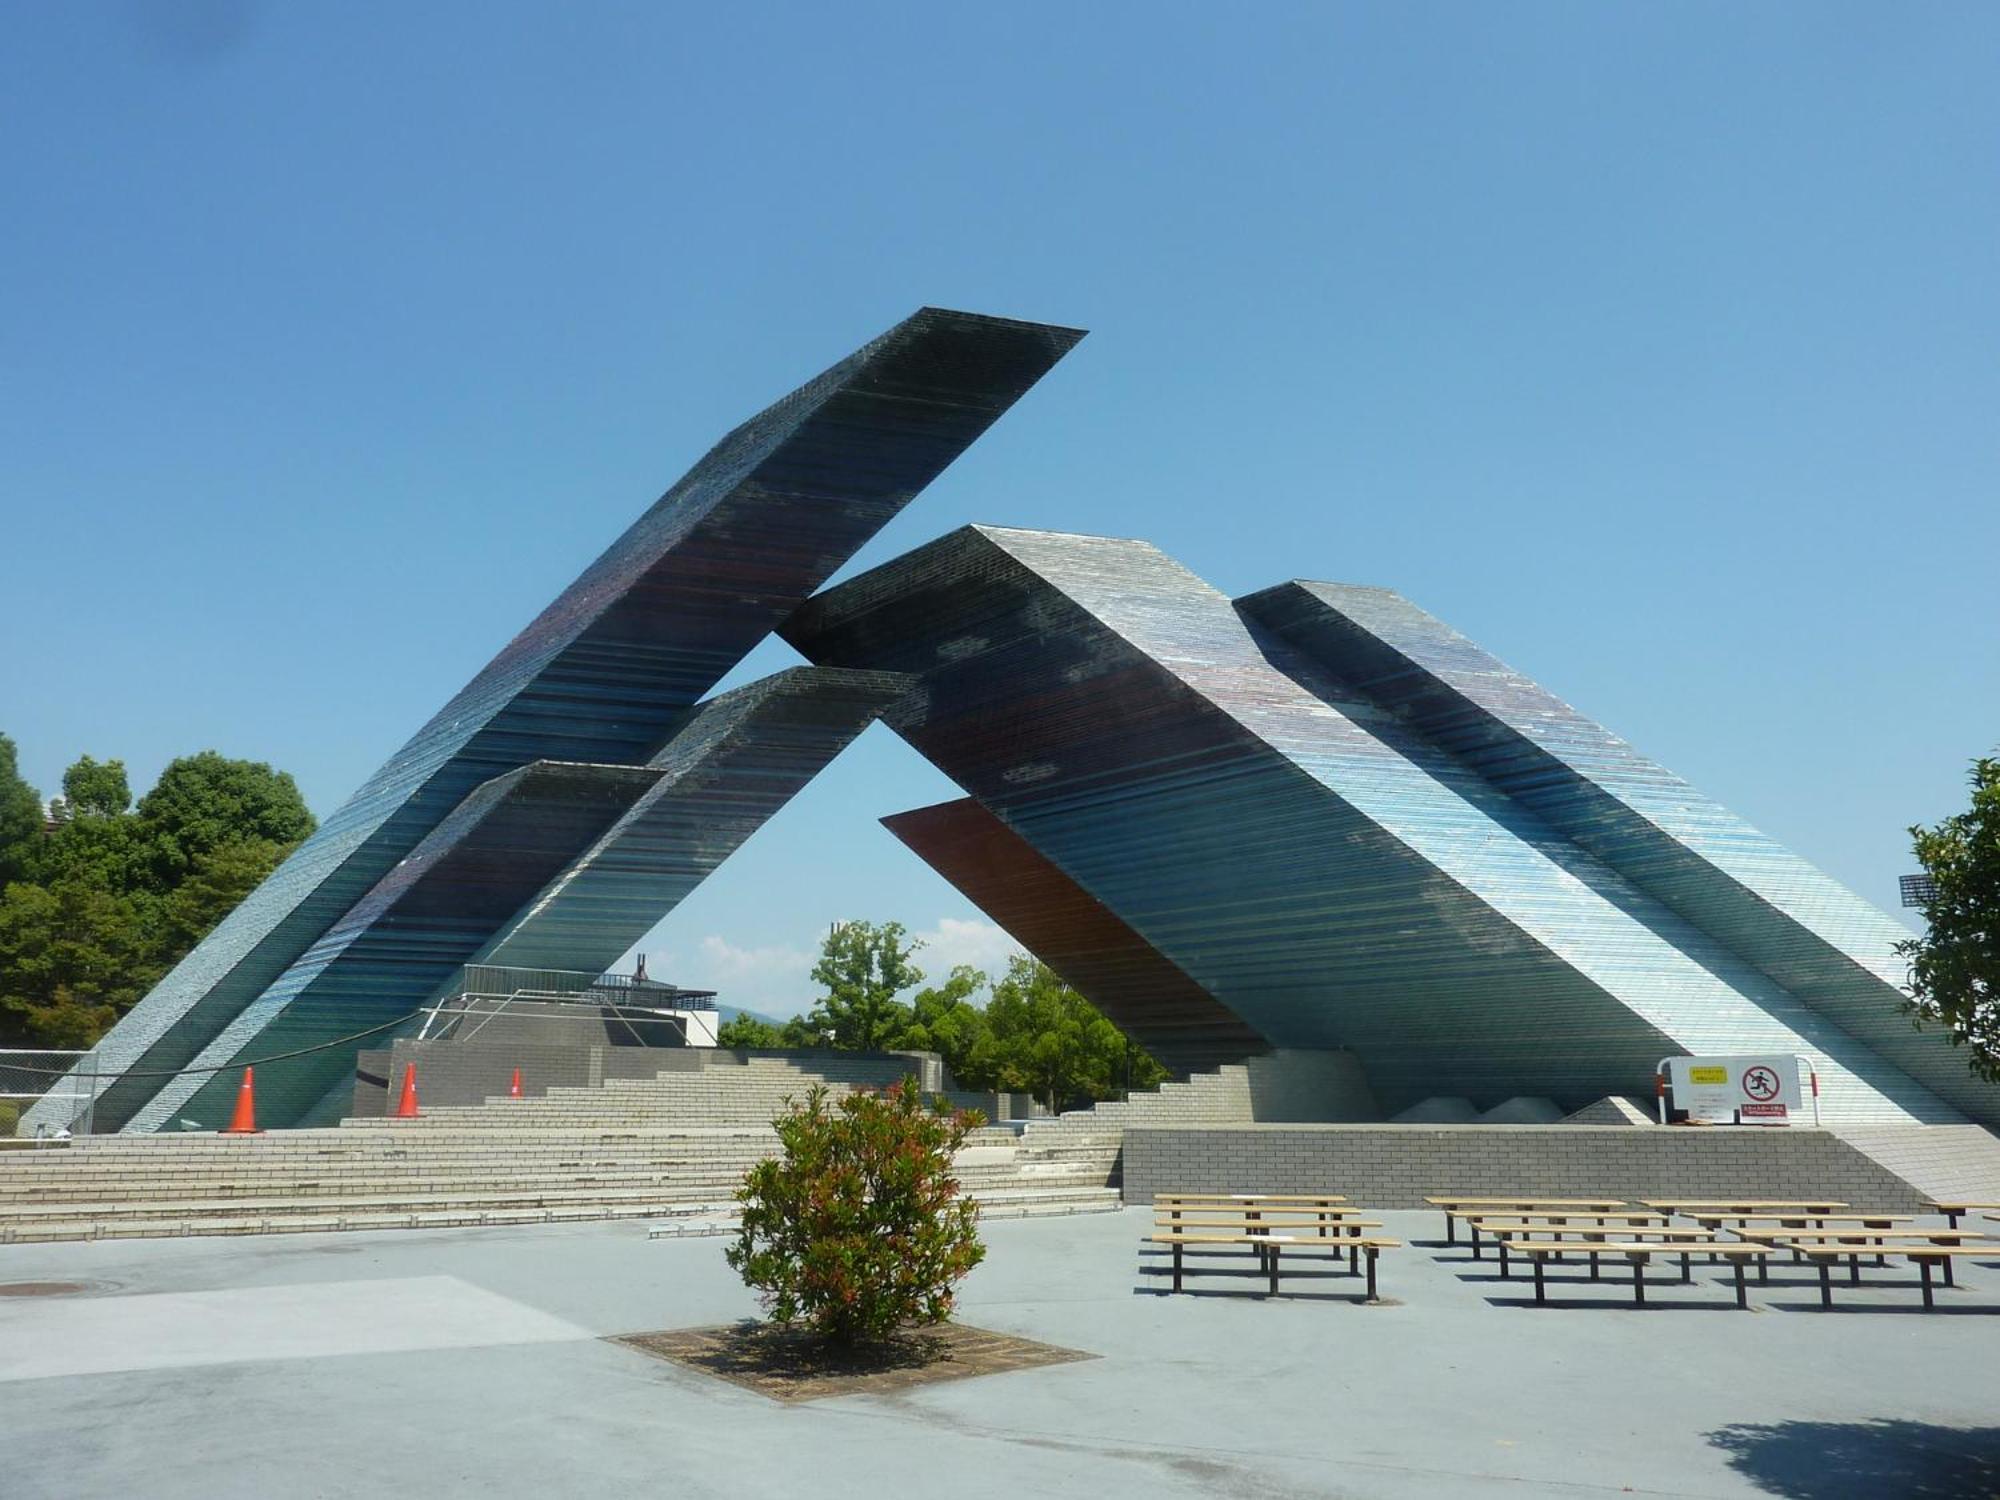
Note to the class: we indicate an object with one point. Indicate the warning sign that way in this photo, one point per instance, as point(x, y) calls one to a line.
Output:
point(1737, 1090)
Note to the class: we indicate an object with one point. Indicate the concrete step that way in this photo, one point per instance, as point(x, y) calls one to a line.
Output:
point(998, 1203)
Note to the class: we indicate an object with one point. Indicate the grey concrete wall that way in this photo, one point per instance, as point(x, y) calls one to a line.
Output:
point(471, 1072)
point(1397, 1166)
point(1291, 1085)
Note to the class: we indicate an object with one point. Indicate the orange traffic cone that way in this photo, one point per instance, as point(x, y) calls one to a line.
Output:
point(406, 1105)
point(244, 1121)
point(514, 1088)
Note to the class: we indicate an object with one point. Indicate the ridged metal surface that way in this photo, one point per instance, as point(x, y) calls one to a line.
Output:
point(410, 934)
point(1306, 859)
point(1077, 935)
point(1820, 941)
point(739, 759)
point(604, 673)
point(587, 879)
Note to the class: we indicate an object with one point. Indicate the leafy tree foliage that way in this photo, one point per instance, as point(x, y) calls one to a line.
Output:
point(858, 1230)
point(20, 815)
point(863, 967)
point(95, 911)
point(1955, 966)
point(1034, 1035)
point(96, 789)
point(204, 801)
point(749, 1033)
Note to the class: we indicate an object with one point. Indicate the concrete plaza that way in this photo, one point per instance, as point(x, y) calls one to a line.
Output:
point(473, 1363)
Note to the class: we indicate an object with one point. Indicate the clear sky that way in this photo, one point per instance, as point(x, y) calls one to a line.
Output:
point(1655, 347)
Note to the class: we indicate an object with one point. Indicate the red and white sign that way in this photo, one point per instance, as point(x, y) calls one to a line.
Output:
point(1740, 1090)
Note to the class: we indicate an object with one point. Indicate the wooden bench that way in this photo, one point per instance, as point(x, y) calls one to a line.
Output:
point(1548, 1212)
point(1455, 1208)
point(1640, 1254)
point(1859, 1242)
point(1807, 1208)
point(1798, 1221)
point(1925, 1256)
point(1955, 1208)
point(1346, 1228)
point(1308, 1200)
point(1269, 1247)
point(1588, 1238)
point(1320, 1209)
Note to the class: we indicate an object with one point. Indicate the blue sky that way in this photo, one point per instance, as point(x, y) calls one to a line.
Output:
point(1657, 348)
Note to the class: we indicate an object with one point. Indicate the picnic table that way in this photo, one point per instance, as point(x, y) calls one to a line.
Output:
point(1640, 1254)
point(1268, 1244)
point(1923, 1256)
point(1860, 1241)
point(1802, 1207)
point(1456, 1208)
point(1588, 1239)
point(1955, 1208)
point(1320, 1210)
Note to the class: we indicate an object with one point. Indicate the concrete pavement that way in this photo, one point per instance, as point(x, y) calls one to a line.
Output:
point(472, 1363)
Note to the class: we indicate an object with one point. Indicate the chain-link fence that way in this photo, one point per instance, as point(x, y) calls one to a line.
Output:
point(68, 1080)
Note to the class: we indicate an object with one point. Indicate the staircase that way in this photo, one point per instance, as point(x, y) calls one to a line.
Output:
point(670, 1149)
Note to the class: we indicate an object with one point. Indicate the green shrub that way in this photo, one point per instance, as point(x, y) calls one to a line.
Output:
point(859, 1229)
point(10, 1117)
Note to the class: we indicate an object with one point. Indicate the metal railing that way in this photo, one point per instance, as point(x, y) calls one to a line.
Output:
point(25, 1075)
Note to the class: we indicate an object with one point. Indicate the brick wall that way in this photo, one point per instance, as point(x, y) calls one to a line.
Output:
point(1397, 1166)
point(471, 1072)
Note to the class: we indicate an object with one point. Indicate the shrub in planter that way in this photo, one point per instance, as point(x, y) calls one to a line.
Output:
point(859, 1228)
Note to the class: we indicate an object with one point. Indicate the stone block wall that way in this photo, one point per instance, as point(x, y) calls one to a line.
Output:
point(1397, 1166)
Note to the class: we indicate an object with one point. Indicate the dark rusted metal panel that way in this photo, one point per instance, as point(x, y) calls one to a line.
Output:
point(1077, 935)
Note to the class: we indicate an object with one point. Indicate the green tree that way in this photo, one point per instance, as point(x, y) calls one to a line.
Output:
point(1955, 967)
point(20, 816)
point(944, 1020)
point(1054, 1043)
point(864, 967)
point(859, 1230)
point(214, 888)
point(747, 1031)
point(73, 957)
point(206, 800)
point(113, 897)
point(96, 789)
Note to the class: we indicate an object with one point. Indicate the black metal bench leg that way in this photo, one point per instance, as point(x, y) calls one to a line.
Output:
point(1854, 1270)
point(1826, 1283)
point(1272, 1262)
point(1450, 1230)
point(1354, 1259)
point(1593, 1265)
point(1742, 1291)
point(1541, 1296)
point(1639, 1283)
point(1947, 1272)
point(1372, 1252)
point(1687, 1272)
point(1504, 1274)
point(1929, 1299)
point(1763, 1270)
point(1473, 1231)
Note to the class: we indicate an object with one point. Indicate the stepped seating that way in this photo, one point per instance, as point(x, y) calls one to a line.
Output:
point(670, 1149)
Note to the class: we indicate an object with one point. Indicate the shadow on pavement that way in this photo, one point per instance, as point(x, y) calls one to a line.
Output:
point(1881, 1460)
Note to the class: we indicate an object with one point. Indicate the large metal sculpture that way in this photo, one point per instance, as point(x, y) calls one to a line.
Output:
point(1311, 818)
point(605, 673)
point(1306, 857)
